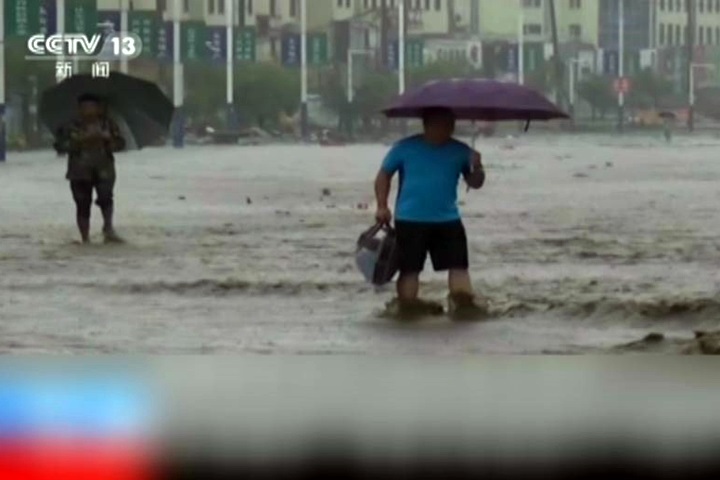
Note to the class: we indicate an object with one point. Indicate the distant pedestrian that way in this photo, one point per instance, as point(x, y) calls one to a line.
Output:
point(90, 140)
point(667, 129)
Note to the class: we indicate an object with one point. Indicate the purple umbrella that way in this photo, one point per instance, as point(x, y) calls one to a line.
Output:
point(469, 99)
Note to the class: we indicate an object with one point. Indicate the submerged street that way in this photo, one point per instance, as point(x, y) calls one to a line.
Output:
point(581, 244)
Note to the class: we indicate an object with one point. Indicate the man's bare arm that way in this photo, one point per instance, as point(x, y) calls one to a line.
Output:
point(383, 183)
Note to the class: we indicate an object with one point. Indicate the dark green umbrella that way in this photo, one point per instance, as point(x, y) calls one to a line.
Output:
point(139, 106)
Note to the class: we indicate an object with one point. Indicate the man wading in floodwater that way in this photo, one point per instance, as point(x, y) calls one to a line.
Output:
point(90, 141)
point(427, 219)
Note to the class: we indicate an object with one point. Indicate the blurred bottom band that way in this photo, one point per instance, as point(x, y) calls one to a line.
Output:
point(339, 468)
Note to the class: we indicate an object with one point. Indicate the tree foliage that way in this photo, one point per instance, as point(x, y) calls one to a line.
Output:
point(597, 92)
point(648, 90)
point(264, 91)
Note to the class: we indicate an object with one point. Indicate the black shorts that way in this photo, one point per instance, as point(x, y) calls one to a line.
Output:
point(445, 242)
point(82, 191)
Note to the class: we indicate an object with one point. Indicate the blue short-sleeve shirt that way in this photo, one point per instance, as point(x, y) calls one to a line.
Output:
point(429, 176)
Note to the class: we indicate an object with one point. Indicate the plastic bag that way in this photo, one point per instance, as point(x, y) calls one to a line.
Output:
point(376, 255)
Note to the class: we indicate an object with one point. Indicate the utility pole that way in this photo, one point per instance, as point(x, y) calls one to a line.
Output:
point(691, 19)
point(451, 17)
point(559, 77)
point(384, 33)
point(621, 63)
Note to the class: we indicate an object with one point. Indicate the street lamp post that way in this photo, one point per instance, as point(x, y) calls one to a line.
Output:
point(350, 89)
point(123, 31)
point(401, 46)
point(3, 132)
point(691, 99)
point(571, 68)
point(178, 136)
point(521, 45)
point(621, 63)
point(304, 121)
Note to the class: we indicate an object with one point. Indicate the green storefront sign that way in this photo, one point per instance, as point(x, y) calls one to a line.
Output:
point(22, 17)
point(415, 53)
point(193, 46)
point(80, 17)
point(631, 65)
point(318, 54)
point(144, 25)
point(534, 56)
point(245, 45)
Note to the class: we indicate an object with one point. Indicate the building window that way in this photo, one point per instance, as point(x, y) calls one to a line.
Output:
point(678, 34)
point(340, 3)
point(532, 3)
point(575, 4)
point(273, 8)
point(710, 5)
point(532, 29)
point(221, 7)
point(671, 6)
point(575, 31)
point(680, 6)
point(249, 5)
point(662, 5)
point(438, 5)
point(701, 6)
point(211, 6)
point(661, 34)
point(701, 36)
point(709, 36)
point(186, 6)
point(671, 38)
point(427, 5)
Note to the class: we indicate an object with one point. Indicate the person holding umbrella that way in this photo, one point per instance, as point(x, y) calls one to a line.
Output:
point(90, 140)
point(427, 218)
point(430, 165)
point(95, 117)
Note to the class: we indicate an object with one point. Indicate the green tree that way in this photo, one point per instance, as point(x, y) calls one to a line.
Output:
point(204, 91)
point(263, 91)
point(597, 92)
point(375, 92)
point(648, 90)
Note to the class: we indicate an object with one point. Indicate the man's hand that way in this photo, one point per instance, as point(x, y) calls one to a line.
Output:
point(475, 178)
point(476, 161)
point(383, 215)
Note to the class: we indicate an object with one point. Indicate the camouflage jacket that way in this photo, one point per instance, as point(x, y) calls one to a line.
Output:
point(89, 159)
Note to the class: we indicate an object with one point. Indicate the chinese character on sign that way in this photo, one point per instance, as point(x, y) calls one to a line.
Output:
point(101, 69)
point(63, 70)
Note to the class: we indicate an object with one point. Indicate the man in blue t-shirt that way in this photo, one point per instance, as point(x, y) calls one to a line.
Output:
point(427, 219)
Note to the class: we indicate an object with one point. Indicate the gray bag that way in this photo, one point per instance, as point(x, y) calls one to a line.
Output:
point(376, 255)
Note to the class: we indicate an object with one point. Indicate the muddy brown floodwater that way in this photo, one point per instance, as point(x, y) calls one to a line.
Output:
point(582, 244)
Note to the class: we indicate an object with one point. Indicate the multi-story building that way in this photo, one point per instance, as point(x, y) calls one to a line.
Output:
point(672, 21)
